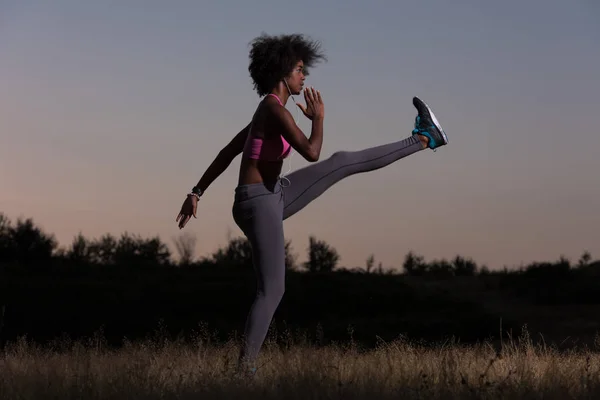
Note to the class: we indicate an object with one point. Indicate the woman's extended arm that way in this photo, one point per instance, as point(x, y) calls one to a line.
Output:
point(223, 159)
point(216, 168)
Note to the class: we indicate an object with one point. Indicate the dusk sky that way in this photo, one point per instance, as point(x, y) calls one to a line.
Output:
point(110, 111)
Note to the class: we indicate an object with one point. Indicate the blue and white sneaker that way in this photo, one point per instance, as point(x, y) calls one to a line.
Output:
point(427, 124)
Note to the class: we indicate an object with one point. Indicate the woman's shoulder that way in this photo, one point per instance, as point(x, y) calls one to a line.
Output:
point(267, 119)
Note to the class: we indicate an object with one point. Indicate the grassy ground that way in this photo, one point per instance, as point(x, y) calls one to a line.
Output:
point(293, 369)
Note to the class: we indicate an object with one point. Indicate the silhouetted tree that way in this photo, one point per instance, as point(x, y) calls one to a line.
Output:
point(484, 270)
point(464, 267)
point(128, 250)
point(25, 242)
point(81, 250)
point(290, 257)
point(6, 247)
point(321, 256)
point(186, 247)
point(102, 250)
point(549, 270)
point(381, 271)
point(585, 259)
point(369, 263)
point(591, 269)
point(152, 251)
point(238, 253)
point(440, 269)
point(414, 265)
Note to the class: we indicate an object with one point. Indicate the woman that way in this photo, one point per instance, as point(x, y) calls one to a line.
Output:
point(263, 198)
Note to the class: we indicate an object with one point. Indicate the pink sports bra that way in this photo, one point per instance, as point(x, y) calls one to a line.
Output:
point(266, 149)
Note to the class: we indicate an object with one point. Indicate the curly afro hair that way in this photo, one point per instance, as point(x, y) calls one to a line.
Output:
point(273, 57)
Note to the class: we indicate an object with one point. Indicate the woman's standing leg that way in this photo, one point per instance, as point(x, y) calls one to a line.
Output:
point(258, 213)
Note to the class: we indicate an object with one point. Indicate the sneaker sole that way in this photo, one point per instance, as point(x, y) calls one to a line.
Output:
point(435, 121)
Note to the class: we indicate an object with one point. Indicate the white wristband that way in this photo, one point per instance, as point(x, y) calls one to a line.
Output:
point(195, 195)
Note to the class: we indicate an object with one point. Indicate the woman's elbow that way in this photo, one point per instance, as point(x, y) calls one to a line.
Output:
point(313, 156)
point(309, 153)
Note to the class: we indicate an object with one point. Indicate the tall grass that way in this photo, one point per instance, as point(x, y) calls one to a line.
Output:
point(293, 368)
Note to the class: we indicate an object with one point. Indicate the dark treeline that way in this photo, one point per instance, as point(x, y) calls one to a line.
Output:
point(129, 286)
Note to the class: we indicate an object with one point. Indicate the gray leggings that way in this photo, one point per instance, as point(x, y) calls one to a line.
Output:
point(259, 210)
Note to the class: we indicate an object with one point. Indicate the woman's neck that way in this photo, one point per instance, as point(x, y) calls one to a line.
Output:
point(282, 92)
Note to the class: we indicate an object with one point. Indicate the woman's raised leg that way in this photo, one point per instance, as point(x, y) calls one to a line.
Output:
point(310, 182)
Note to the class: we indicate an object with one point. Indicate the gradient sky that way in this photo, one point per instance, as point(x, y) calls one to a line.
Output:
point(110, 111)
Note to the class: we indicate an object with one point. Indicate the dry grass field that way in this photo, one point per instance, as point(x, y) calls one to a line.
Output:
point(294, 369)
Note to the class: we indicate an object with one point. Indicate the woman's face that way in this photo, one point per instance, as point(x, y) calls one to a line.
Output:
point(295, 80)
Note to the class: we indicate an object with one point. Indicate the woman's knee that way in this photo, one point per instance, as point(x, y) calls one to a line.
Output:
point(340, 156)
point(273, 291)
point(277, 291)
